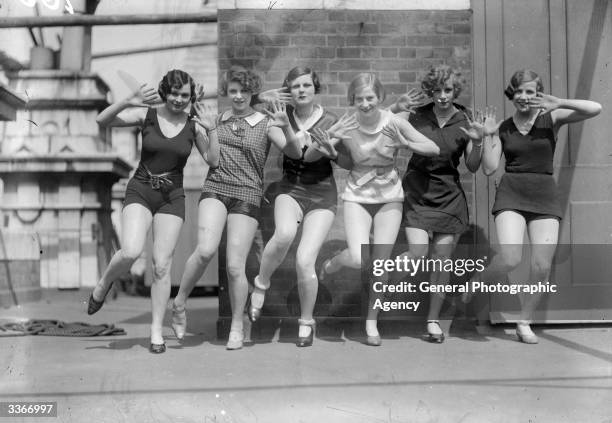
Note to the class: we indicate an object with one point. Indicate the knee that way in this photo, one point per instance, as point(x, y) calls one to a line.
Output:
point(354, 260)
point(510, 261)
point(235, 271)
point(130, 254)
point(541, 267)
point(284, 237)
point(161, 268)
point(204, 252)
point(305, 263)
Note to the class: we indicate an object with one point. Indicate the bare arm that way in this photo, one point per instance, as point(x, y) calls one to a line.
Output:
point(414, 140)
point(564, 110)
point(207, 141)
point(130, 111)
point(281, 133)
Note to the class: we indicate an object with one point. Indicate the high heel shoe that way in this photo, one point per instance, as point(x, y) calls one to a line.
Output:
point(436, 338)
point(526, 337)
point(254, 312)
point(306, 341)
point(157, 348)
point(235, 340)
point(94, 306)
point(179, 321)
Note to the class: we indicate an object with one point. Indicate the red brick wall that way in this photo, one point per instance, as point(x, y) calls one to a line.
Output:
point(400, 46)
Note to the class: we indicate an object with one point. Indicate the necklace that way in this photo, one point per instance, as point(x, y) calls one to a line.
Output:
point(444, 117)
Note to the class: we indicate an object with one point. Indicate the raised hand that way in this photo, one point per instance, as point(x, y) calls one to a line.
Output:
point(145, 96)
point(204, 116)
point(409, 101)
point(321, 141)
point(544, 102)
point(199, 92)
point(490, 126)
point(343, 125)
point(277, 94)
point(278, 114)
point(476, 128)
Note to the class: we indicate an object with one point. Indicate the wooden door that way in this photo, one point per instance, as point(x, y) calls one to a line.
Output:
point(570, 45)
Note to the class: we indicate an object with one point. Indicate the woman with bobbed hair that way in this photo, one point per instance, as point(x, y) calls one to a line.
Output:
point(232, 193)
point(527, 197)
point(373, 196)
point(435, 205)
point(155, 195)
point(305, 195)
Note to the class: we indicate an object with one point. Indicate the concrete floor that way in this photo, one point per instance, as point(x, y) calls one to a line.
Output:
point(469, 378)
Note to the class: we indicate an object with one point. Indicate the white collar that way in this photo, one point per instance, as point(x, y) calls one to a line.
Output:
point(252, 119)
point(310, 120)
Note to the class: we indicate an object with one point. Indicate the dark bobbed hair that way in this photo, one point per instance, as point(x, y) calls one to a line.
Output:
point(438, 75)
point(363, 80)
point(298, 71)
point(176, 78)
point(249, 80)
point(521, 76)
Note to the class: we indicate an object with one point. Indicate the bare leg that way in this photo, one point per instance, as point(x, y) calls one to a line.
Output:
point(136, 223)
point(443, 246)
point(211, 221)
point(386, 226)
point(240, 233)
point(166, 231)
point(543, 234)
point(316, 227)
point(287, 218)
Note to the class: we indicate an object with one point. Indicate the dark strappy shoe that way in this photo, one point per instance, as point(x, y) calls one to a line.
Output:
point(306, 341)
point(92, 305)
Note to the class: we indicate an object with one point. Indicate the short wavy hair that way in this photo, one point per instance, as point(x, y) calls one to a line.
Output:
point(438, 75)
point(176, 78)
point(248, 79)
point(520, 77)
point(363, 80)
point(298, 71)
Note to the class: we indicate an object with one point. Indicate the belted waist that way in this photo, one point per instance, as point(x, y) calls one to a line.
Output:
point(363, 176)
point(165, 181)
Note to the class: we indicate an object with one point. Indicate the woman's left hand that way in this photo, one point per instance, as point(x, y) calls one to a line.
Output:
point(278, 114)
point(544, 102)
point(205, 115)
point(321, 141)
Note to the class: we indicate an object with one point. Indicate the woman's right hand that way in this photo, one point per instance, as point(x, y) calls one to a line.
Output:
point(342, 126)
point(144, 97)
point(275, 95)
point(409, 101)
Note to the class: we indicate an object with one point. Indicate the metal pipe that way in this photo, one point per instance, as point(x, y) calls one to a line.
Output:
point(97, 20)
point(151, 49)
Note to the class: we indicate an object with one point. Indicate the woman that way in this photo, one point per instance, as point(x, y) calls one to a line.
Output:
point(232, 194)
point(373, 194)
point(527, 196)
point(155, 196)
point(306, 195)
point(435, 205)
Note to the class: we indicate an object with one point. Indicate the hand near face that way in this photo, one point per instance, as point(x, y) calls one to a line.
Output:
point(278, 114)
point(145, 96)
point(274, 95)
point(544, 102)
point(205, 115)
point(411, 100)
point(343, 125)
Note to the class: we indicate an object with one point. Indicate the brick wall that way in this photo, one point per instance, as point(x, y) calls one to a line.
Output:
point(400, 46)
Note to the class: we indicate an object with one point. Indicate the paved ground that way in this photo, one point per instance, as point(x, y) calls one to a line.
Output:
point(469, 378)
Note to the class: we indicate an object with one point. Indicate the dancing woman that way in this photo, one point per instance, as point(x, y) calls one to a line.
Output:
point(306, 195)
point(527, 196)
point(435, 205)
point(155, 195)
point(373, 196)
point(232, 194)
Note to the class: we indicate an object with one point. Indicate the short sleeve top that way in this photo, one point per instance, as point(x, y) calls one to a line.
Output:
point(244, 147)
